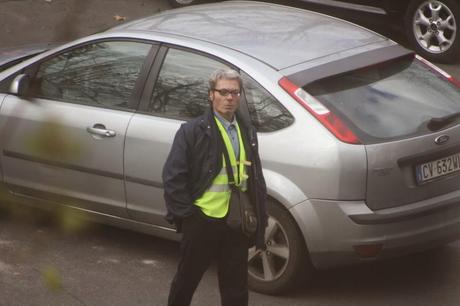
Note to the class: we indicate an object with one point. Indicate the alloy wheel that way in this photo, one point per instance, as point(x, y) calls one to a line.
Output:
point(434, 26)
point(183, 2)
point(270, 264)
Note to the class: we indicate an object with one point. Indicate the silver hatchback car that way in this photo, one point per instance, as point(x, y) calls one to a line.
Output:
point(359, 138)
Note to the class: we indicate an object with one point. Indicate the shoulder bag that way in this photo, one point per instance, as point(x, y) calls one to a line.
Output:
point(241, 214)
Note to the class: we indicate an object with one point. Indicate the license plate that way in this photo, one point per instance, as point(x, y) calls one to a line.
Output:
point(436, 168)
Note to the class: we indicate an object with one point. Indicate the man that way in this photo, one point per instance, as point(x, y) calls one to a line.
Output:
point(197, 193)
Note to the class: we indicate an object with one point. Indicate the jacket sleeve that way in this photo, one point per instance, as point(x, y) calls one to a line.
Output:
point(260, 191)
point(261, 185)
point(176, 180)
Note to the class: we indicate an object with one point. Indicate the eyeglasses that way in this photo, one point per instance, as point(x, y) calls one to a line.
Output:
point(226, 92)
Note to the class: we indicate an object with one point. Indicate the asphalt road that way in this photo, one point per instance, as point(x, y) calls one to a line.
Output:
point(43, 263)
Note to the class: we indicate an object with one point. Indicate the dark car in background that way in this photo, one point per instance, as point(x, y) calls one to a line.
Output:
point(431, 26)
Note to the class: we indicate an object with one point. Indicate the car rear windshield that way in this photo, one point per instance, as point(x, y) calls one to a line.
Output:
point(389, 101)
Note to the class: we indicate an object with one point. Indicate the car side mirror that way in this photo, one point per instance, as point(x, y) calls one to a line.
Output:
point(20, 85)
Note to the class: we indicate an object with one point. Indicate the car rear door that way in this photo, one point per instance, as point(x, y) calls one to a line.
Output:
point(407, 117)
point(176, 91)
point(66, 143)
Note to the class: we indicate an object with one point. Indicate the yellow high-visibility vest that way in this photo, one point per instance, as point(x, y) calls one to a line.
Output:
point(214, 201)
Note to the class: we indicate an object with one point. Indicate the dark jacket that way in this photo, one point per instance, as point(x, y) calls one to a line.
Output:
point(195, 160)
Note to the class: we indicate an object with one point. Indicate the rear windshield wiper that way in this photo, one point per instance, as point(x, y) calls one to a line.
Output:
point(438, 123)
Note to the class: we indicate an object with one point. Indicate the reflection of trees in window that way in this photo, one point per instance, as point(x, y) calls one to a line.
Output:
point(102, 74)
point(181, 90)
point(266, 113)
point(179, 97)
point(108, 84)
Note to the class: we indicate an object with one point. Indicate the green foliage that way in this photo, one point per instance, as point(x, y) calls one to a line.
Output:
point(70, 220)
point(51, 141)
point(51, 278)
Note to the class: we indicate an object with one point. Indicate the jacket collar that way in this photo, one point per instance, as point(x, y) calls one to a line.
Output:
point(208, 124)
point(207, 121)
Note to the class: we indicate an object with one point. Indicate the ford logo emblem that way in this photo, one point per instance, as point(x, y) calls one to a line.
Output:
point(441, 139)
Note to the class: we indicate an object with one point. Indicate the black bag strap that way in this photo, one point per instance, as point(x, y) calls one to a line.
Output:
point(228, 165)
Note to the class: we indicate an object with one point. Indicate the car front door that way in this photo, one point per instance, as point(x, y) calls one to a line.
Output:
point(66, 142)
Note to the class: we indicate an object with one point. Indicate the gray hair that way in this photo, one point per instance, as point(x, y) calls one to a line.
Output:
point(224, 74)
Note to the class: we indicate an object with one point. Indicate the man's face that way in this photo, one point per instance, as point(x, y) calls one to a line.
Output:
point(224, 99)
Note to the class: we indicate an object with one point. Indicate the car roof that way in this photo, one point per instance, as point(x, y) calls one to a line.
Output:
point(10, 54)
point(277, 35)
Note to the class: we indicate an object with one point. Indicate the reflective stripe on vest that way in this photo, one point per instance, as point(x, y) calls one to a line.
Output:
point(214, 201)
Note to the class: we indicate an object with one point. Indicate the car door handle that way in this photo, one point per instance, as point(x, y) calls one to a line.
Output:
point(100, 130)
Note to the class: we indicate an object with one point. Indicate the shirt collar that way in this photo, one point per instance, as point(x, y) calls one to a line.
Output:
point(224, 121)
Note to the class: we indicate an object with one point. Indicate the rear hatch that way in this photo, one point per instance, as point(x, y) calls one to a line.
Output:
point(407, 115)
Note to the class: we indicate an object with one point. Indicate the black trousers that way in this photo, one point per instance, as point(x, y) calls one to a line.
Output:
point(204, 240)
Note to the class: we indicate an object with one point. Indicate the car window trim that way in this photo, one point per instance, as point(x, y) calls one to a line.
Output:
point(151, 79)
point(248, 118)
point(136, 96)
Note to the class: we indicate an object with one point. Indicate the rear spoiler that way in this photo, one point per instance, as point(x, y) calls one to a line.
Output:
point(348, 64)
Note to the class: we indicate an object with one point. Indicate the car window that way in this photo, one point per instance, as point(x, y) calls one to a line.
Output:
point(181, 90)
point(100, 74)
point(267, 114)
point(389, 101)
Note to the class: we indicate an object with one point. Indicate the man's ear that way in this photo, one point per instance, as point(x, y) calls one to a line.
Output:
point(211, 96)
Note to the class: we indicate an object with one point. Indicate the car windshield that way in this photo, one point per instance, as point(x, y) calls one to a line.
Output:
point(388, 101)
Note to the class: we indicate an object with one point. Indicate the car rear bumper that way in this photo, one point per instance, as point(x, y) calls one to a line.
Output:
point(334, 237)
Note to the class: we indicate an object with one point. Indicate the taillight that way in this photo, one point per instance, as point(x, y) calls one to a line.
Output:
point(438, 71)
point(333, 123)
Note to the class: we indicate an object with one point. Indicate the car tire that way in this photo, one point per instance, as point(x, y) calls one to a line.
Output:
point(438, 38)
point(285, 261)
point(180, 3)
